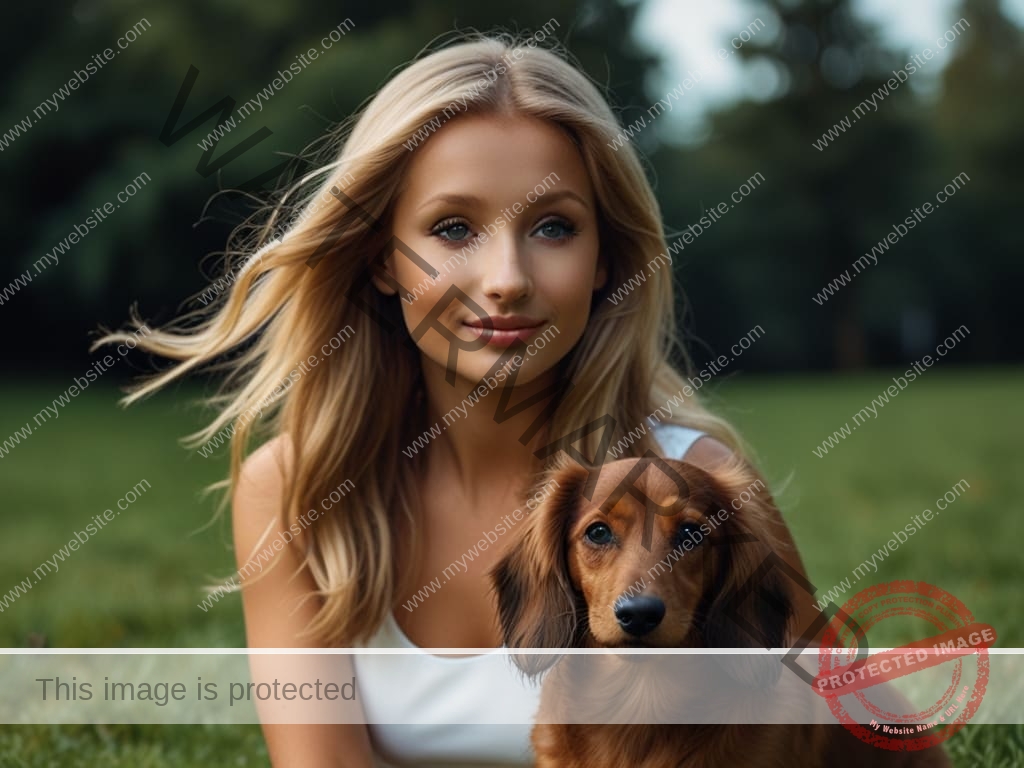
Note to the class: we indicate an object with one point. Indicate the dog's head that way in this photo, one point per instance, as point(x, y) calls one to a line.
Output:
point(664, 554)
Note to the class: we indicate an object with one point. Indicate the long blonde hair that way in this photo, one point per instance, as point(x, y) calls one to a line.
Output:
point(352, 420)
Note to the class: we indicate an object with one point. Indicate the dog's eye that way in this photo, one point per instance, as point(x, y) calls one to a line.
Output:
point(599, 533)
point(689, 531)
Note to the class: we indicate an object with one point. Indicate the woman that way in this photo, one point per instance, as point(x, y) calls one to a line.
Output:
point(471, 226)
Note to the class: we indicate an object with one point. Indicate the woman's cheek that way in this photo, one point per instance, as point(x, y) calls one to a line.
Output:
point(417, 310)
point(428, 294)
point(426, 291)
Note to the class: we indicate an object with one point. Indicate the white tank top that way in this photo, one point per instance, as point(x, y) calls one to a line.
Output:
point(399, 692)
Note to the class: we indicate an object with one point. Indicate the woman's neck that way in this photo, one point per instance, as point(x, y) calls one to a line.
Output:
point(484, 455)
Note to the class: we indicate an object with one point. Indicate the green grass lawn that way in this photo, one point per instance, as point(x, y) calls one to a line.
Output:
point(137, 582)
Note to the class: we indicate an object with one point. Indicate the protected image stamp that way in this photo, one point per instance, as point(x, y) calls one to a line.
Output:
point(958, 641)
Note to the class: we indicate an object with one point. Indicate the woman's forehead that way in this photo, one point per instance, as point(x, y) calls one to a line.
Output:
point(496, 160)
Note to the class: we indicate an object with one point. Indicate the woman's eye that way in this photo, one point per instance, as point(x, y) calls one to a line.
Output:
point(689, 532)
point(455, 231)
point(556, 229)
point(598, 533)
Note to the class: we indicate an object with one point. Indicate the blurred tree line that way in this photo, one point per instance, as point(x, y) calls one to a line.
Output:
point(817, 212)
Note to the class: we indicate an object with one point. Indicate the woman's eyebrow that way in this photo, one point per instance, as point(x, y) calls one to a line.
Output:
point(472, 200)
point(453, 199)
point(561, 195)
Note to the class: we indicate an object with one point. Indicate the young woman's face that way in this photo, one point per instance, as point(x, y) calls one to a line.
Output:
point(502, 208)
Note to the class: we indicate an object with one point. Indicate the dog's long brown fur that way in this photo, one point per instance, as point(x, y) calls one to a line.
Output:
point(556, 588)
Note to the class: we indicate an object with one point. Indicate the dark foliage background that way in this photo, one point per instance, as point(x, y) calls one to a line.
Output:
point(817, 212)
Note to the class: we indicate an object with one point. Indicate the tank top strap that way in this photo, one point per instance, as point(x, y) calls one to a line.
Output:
point(675, 440)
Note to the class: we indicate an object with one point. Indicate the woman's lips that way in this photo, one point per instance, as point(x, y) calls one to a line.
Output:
point(503, 337)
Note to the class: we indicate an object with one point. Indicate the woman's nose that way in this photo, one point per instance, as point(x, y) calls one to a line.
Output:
point(506, 278)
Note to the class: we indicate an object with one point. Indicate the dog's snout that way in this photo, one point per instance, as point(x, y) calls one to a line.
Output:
point(639, 615)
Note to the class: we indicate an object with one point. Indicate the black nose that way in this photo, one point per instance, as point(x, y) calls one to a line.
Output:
point(639, 615)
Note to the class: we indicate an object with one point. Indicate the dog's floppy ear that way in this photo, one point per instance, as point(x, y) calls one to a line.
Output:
point(538, 605)
point(747, 603)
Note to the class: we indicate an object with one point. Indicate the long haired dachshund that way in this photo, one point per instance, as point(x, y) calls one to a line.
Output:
point(662, 559)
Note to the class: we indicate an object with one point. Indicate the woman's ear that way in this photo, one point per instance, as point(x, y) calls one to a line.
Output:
point(382, 285)
point(538, 605)
point(601, 276)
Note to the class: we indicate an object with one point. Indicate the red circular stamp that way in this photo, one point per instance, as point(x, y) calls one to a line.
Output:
point(958, 643)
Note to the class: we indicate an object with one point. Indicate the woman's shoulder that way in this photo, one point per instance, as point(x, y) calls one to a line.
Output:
point(259, 487)
point(271, 462)
point(266, 468)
